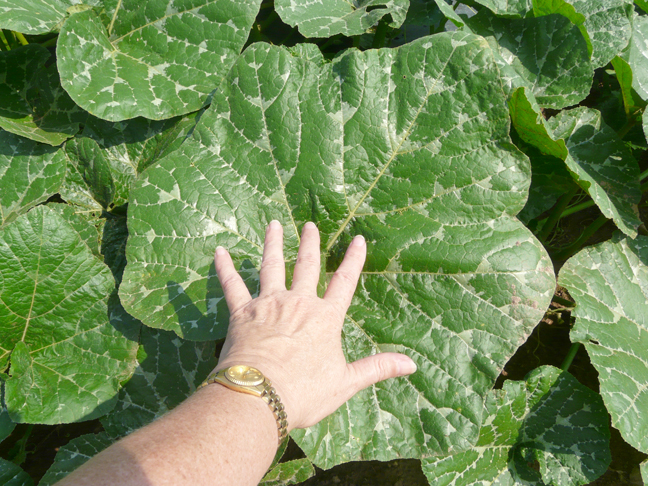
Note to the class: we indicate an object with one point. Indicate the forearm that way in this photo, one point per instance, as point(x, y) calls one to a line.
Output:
point(217, 437)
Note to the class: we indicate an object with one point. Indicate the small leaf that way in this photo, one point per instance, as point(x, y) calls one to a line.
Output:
point(637, 56)
point(12, 475)
point(169, 372)
point(509, 8)
point(547, 55)
point(601, 164)
point(609, 283)
point(598, 160)
point(88, 224)
point(67, 361)
point(549, 430)
point(326, 18)
point(6, 424)
point(30, 173)
point(291, 472)
point(74, 454)
point(103, 165)
point(151, 59)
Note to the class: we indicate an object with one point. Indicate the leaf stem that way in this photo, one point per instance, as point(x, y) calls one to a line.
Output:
point(381, 35)
point(578, 207)
point(626, 128)
point(570, 356)
point(8, 38)
point(50, 42)
point(21, 38)
point(565, 253)
point(556, 214)
point(20, 447)
point(565, 302)
point(4, 45)
point(643, 175)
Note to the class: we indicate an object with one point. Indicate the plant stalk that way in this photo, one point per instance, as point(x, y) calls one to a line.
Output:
point(565, 302)
point(565, 253)
point(50, 42)
point(556, 214)
point(570, 356)
point(626, 128)
point(21, 38)
point(381, 35)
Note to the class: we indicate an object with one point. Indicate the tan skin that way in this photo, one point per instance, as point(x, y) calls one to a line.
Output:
point(222, 437)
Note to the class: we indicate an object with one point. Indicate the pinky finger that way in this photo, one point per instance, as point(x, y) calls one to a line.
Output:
point(236, 293)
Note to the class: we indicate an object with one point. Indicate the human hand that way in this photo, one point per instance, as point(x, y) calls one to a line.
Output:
point(292, 336)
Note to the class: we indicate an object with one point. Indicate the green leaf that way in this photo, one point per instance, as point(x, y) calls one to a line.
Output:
point(291, 472)
point(447, 10)
point(598, 160)
point(425, 13)
point(169, 371)
point(358, 147)
point(509, 8)
point(326, 18)
point(34, 105)
point(623, 73)
point(104, 163)
point(549, 420)
point(67, 361)
point(151, 59)
point(88, 224)
point(6, 424)
point(12, 475)
point(74, 454)
point(549, 180)
point(37, 16)
point(643, 4)
point(637, 56)
point(609, 283)
point(547, 55)
point(30, 173)
point(644, 468)
point(601, 164)
point(606, 25)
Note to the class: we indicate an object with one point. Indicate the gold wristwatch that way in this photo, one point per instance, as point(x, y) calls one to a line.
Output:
point(245, 379)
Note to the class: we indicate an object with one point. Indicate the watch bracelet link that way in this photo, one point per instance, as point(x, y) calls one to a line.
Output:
point(269, 395)
point(274, 402)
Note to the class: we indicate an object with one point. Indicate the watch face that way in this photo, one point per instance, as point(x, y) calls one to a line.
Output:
point(244, 375)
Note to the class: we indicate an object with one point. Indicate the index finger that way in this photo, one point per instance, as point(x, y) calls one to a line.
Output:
point(343, 284)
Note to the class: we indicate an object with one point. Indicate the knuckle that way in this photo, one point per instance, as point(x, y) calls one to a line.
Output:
point(270, 263)
point(308, 260)
point(229, 281)
point(384, 369)
point(346, 277)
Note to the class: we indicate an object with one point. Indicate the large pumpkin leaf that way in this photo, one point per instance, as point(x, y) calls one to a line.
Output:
point(358, 147)
point(30, 172)
point(37, 16)
point(6, 424)
point(74, 454)
point(549, 420)
point(325, 18)
point(169, 371)
point(103, 164)
point(547, 55)
point(67, 361)
point(609, 283)
point(154, 59)
point(12, 475)
point(593, 153)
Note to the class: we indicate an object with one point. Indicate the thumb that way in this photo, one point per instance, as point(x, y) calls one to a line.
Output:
point(372, 369)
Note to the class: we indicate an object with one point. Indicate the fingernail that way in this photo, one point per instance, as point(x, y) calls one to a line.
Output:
point(406, 366)
point(359, 240)
point(310, 224)
point(274, 224)
point(220, 250)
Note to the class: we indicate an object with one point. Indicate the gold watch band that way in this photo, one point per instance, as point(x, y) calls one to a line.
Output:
point(263, 389)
